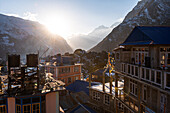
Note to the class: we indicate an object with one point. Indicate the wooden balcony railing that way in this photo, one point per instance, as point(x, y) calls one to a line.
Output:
point(160, 78)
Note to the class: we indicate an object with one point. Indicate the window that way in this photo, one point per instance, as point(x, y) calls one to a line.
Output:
point(133, 87)
point(162, 60)
point(164, 56)
point(106, 99)
point(168, 80)
point(96, 96)
point(132, 70)
point(27, 108)
point(117, 56)
point(64, 70)
point(168, 60)
point(18, 108)
point(3, 109)
point(143, 73)
point(76, 69)
point(128, 69)
point(69, 79)
point(152, 75)
point(140, 54)
point(158, 77)
point(36, 108)
point(124, 68)
point(144, 93)
point(136, 71)
point(163, 103)
point(147, 74)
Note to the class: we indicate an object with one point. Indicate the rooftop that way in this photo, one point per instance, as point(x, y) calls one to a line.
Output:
point(146, 35)
point(107, 87)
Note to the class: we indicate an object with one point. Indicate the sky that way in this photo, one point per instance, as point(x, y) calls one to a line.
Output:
point(68, 17)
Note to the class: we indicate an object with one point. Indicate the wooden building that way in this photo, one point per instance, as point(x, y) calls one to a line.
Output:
point(143, 59)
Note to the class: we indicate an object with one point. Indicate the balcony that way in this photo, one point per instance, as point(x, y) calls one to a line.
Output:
point(159, 78)
point(132, 104)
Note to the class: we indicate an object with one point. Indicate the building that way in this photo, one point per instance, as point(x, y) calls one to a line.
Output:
point(103, 99)
point(66, 73)
point(23, 91)
point(143, 59)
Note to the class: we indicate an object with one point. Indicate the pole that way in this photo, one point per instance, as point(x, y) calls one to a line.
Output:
point(89, 80)
point(116, 90)
point(111, 79)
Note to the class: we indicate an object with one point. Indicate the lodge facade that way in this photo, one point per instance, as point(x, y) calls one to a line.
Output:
point(144, 62)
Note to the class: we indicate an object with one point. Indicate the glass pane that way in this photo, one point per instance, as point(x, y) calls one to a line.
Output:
point(168, 60)
point(147, 74)
point(152, 76)
point(168, 80)
point(158, 78)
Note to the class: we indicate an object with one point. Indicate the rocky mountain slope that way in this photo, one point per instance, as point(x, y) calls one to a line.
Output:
point(19, 36)
point(88, 41)
point(145, 13)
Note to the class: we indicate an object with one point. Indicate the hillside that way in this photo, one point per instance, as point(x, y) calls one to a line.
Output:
point(88, 41)
point(19, 36)
point(145, 13)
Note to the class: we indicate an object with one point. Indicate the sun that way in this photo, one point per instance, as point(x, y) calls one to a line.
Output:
point(58, 25)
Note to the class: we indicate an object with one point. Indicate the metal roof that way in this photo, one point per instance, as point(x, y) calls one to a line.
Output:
point(146, 35)
point(75, 86)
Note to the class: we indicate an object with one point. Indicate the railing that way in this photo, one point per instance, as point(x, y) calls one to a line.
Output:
point(160, 78)
point(132, 104)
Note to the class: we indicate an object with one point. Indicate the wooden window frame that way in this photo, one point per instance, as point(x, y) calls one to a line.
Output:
point(26, 105)
point(5, 108)
point(17, 109)
point(35, 104)
point(107, 99)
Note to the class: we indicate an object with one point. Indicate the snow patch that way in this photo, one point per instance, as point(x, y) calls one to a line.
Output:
point(6, 41)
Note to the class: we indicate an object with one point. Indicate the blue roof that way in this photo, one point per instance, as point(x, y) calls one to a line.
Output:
point(145, 35)
point(88, 108)
point(79, 85)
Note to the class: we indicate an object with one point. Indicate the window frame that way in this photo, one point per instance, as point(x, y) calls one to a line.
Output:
point(17, 109)
point(35, 104)
point(26, 105)
point(1, 106)
point(165, 52)
point(106, 99)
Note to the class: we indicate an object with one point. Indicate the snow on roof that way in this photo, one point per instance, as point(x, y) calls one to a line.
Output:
point(107, 87)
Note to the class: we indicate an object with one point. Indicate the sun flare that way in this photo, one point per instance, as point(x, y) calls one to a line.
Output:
point(58, 25)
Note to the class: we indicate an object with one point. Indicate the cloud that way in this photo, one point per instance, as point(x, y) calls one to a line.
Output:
point(30, 16)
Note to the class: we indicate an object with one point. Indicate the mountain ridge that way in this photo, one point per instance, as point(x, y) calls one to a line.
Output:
point(145, 13)
point(19, 36)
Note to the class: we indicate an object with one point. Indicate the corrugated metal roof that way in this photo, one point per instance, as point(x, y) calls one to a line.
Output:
point(145, 35)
